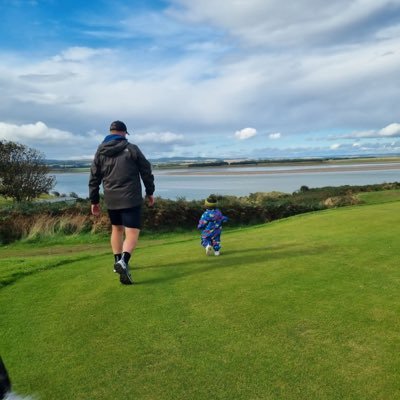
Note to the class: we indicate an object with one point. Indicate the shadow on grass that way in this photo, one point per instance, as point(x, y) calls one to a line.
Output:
point(231, 259)
point(16, 276)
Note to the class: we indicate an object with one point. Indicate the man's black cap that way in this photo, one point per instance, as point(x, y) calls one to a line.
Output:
point(118, 126)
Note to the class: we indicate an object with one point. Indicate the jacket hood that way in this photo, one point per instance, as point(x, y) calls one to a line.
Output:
point(112, 147)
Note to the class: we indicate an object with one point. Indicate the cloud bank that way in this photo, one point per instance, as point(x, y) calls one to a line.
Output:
point(185, 75)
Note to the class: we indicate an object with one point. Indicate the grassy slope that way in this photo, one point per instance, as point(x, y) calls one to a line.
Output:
point(379, 197)
point(303, 308)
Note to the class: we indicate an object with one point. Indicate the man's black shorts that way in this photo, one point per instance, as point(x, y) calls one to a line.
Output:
point(128, 217)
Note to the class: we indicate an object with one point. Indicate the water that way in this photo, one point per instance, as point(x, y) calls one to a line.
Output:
point(200, 186)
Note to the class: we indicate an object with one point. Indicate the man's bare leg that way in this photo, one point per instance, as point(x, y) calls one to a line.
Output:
point(131, 239)
point(117, 238)
point(123, 242)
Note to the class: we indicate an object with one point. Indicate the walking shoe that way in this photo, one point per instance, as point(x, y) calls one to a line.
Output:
point(216, 252)
point(208, 250)
point(122, 268)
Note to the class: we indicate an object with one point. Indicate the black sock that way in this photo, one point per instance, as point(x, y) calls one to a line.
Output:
point(117, 257)
point(126, 256)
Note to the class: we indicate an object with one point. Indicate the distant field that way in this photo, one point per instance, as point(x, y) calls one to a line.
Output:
point(306, 162)
point(69, 170)
point(345, 161)
point(366, 160)
point(302, 308)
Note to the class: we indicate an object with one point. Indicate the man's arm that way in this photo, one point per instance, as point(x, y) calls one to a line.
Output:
point(95, 209)
point(145, 173)
point(95, 179)
point(150, 200)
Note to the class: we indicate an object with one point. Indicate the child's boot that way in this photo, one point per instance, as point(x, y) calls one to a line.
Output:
point(208, 250)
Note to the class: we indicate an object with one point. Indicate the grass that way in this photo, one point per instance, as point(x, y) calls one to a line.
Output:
point(302, 308)
point(379, 197)
point(5, 201)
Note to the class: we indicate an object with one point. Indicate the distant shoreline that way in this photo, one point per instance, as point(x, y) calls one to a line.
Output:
point(343, 168)
point(347, 165)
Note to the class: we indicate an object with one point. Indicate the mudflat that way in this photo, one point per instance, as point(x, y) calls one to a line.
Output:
point(282, 170)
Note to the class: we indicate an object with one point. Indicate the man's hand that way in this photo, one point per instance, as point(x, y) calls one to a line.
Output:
point(150, 200)
point(96, 209)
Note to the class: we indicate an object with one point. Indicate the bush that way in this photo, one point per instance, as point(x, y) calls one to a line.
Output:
point(32, 220)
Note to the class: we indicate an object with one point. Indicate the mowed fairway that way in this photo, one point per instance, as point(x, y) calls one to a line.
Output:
point(303, 308)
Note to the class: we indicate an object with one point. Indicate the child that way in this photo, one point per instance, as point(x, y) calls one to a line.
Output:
point(211, 225)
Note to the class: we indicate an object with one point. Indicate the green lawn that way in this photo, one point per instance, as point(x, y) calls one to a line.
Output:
point(303, 308)
point(379, 196)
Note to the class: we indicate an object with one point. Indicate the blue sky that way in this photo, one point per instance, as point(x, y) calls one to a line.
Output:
point(226, 78)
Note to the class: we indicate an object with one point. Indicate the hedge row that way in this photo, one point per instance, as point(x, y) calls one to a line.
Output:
point(34, 219)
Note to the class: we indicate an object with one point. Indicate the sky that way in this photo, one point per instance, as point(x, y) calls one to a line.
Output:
point(202, 78)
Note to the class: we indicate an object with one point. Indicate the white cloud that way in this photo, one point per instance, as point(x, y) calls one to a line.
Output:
point(60, 144)
point(260, 22)
point(275, 136)
point(335, 146)
point(53, 142)
point(161, 137)
point(245, 133)
point(30, 132)
point(80, 54)
point(391, 130)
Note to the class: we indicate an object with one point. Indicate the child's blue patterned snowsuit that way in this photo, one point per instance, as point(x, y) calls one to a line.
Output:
point(211, 225)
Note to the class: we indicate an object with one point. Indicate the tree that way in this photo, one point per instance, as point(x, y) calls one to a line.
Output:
point(304, 189)
point(23, 173)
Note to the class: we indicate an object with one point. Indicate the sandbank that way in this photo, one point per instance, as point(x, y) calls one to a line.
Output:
point(254, 171)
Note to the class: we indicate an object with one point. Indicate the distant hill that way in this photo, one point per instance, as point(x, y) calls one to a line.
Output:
point(64, 164)
point(163, 160)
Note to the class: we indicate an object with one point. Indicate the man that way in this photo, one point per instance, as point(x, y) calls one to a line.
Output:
point(5, 383)
point(121, 166)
